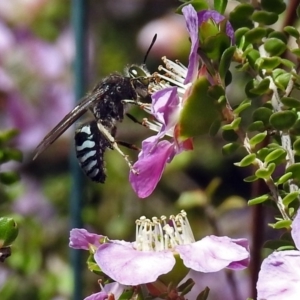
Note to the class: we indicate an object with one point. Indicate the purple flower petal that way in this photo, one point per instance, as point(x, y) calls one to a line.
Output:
point(296, 230)
point(212, 254)
point(166, 108)
point(205, 15)
point(113, 288)
point(279, 277)
point(150, 165)
point(97, 296)
point(128, 266)
point(192, 25)
point(82, 239)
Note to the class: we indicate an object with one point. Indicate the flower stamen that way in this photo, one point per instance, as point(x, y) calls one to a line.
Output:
point(163, 233)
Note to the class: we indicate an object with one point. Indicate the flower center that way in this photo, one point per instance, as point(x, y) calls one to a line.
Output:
point(163, 233)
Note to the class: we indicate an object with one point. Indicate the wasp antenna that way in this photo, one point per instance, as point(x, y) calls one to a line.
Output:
point(150, 47)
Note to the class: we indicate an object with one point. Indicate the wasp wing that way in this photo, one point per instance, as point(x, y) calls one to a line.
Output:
point(69, 119)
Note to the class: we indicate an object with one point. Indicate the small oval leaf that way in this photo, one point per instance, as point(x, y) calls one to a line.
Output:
point(283, 120)
point(247, 160)
point(258, 200)
point(282, 224)
point(284, 178)
point(274, 155)
point(290, 198)
point(263, 17)
point(295, 170)
point(257, 139)
point(274, 47)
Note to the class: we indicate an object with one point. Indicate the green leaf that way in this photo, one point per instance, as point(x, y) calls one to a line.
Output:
point(282, 224)
point(287, 63)
point(262, 87)
point(229, 135)
point(283, 79)
point(296, 52)
point(240, 15)
point(9, 177)
point(258, 138)
point(265, 173)
point(214, 128)
point(289, 198)
point(292, 31)
point(268, 63)
point(274, 155)
point(199, 111)
point(256, 126)
point(7, 135)
point(284, 178)
point(258, 200)
point(8, 231)
point(192, 199)
point(240, 36)
point(278, 35)
point(251, 178)
point(276, 244)
point(275, 47)
point(265, 18)
point(252, 56)
point(230, 148)
point(197, 4)
point(291, 102)
point(236, 123)
point(255, 35)
point(220, 6)
point(296, 128)
point(295, 170)
point(242, 106)
point(296, 146)
point(275, 6)
point(283, 120)
point(225, 61)
point(246, 161)
point(214, 46)
point(262, 114)
point(8, 154)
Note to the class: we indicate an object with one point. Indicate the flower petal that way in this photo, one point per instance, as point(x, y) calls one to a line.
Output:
point(279, 276)
point(191, 19)
point(166, 108)
point(128, 266)
point(114, 288)
point(82, 239)
point(150, 165)
point(205, 15)
point(296, 230)
point(213, 253)
point(97, 296)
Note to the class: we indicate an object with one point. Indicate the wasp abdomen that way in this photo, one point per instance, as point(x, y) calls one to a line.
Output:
point(90, 146)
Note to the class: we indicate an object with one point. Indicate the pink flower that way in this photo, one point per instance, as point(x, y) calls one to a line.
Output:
point(279, 276)
point(165, 250)
point(168, 100)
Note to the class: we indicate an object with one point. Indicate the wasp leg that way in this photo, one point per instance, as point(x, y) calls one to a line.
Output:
point(138, 103)
point(114, 144)
point(128, 145)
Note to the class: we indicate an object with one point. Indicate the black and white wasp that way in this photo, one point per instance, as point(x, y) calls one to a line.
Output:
point(107, 103)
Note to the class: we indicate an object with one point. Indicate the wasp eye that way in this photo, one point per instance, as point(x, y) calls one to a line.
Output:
point(135, 71)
